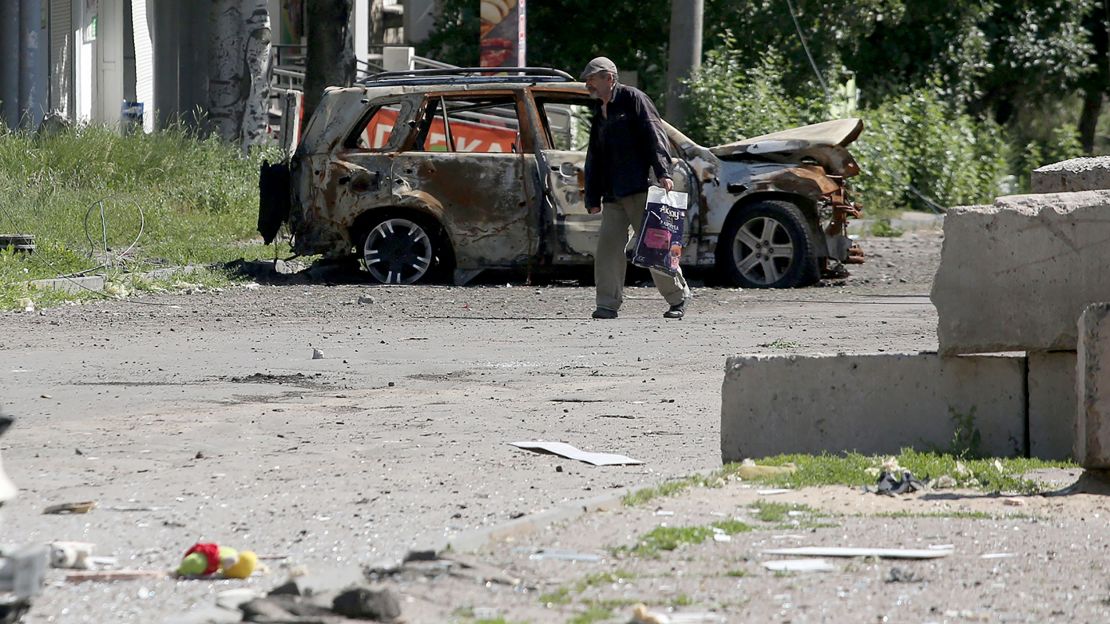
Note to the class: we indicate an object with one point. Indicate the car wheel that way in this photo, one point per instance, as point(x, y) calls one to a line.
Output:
point(768, 245)
point(398, 250)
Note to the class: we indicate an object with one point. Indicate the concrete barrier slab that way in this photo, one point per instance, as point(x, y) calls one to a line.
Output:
point(873, 404)
point(1052, 404)
point(1015, 276)
point(1092, 438)
point(1077, 174)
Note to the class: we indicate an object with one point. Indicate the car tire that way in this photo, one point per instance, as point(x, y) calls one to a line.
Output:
point(767, 244)
point(401, 249)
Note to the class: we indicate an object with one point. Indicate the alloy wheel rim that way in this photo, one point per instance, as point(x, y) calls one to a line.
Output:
point(397, 251)
point(763, 250)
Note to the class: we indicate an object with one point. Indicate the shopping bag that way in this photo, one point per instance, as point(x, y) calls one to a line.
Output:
point(659, 245)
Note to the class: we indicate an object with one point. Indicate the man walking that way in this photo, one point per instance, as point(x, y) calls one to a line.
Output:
point(627, 142)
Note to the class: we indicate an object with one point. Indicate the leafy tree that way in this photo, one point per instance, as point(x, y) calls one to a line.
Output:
point(566, 34)
point(728, 100)
point(1095, 85)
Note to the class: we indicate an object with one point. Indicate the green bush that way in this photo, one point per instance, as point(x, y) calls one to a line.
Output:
point(917, 151)
point(1062, 144)
point(728, 100)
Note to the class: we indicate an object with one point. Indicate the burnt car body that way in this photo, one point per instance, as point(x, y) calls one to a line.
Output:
point(444, 173)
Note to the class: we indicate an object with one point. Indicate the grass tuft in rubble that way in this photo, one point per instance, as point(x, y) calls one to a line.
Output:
point(769, 511)
point(883, 228)
point(97, 200)
point(563, 595)
point(674, 487)
point(664, 538)
point(560, 596)
point(854, 469)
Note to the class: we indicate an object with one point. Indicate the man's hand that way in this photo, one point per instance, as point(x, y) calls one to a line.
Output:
point(667, 184)
point(593, 209)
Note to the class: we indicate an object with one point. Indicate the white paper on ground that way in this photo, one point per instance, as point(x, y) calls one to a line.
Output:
point(838, 551)
point(565, 450)
point(800, 565)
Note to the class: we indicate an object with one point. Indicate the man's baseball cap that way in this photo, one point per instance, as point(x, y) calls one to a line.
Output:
point(599, 64)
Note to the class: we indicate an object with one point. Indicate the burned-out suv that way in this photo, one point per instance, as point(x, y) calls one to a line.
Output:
point(444, 173)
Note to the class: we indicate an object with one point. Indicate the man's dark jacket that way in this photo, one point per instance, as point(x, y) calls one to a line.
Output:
point(624, 146)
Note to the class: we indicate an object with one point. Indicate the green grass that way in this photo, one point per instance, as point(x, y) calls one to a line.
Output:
point(663, 538)
point(195, 202)
point(671, 488)
point(560, 596)
point(955, 515)
point(681, 600)
point(563, 595)
point(737, 573)
point(854, 469)
point(768, 511)
point(883, 228)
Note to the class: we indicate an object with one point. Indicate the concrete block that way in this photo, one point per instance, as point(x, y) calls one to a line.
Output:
point(873, 404)
point(1092, 437)
point(1052, 404)
point(1015, 276)
point(1077, 174)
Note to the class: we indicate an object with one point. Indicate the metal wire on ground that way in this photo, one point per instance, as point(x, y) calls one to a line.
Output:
point(70, 277)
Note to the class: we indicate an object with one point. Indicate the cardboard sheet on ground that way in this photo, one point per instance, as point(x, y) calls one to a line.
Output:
point(565, 450)
point(838, 551)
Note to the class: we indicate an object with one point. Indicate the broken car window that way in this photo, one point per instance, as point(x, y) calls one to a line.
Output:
point(566, 121)
point(376, 133)
point(473, 124)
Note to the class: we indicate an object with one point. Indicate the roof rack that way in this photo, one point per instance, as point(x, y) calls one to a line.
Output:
point(469, 75)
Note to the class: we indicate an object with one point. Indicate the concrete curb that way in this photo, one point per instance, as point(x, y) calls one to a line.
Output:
point(96, 283)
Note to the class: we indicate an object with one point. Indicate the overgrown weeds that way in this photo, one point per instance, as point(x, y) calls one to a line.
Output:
point(98, 200)
point(854, 469)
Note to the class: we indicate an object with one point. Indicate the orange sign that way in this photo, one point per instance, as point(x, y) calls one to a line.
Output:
point(467, 136)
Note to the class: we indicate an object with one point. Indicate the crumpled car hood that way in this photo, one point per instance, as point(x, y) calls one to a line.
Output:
point(824, 142)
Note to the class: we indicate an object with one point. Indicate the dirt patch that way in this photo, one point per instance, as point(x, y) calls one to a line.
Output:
point(999, 550)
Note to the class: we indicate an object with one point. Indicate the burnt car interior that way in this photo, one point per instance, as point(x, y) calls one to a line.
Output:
point(472, 124)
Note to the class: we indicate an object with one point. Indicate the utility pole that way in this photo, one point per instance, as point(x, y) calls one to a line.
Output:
point(684, 54)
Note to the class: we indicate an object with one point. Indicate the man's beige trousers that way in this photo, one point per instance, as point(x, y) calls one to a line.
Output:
point(610, 261)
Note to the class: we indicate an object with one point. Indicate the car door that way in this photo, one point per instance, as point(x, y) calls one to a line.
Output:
point(464, 159)
point(566, 121)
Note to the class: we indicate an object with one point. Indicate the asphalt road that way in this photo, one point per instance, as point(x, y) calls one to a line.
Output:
point(206, 417)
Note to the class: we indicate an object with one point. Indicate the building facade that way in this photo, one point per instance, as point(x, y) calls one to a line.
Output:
point(146, 61)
